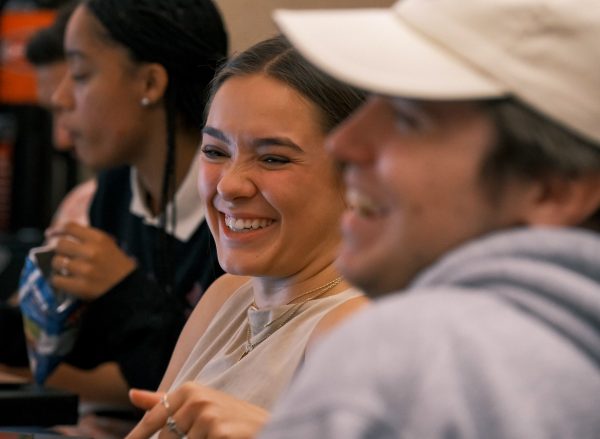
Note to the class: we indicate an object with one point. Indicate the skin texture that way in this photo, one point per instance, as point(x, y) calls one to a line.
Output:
point(412, 171)
point(103, 89)
point(100, 102)
point(48, 78)
point(264, 159)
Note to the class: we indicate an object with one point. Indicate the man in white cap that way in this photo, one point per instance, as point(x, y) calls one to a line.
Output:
point(473, 173)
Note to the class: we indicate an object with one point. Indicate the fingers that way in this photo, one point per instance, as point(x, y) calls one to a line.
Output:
point(75, 286)
point(196, 411)
point(88, 262)
point(72, 229)
point(63, 265)
point(173, 428)
point(68, 247)
point(89, 244)
point(156, 417)
point(144, 399)
point(77, 233)
point(75, 230)
point(89, 270)
point(67, 276)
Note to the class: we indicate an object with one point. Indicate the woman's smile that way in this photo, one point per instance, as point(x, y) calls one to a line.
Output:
point(246, 224)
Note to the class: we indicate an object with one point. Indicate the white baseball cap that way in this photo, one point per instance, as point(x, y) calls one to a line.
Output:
point(546, 53)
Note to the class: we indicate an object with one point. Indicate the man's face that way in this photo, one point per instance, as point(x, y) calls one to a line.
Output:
point(48, 78)
point(414, 185)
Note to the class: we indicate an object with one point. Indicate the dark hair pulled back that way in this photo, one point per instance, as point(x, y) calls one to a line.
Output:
point(186, 37)
point(278, 59)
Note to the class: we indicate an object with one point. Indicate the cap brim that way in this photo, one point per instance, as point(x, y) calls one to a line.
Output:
point(375, 50)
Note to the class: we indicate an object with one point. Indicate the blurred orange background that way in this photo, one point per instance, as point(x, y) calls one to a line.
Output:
point(17, 81)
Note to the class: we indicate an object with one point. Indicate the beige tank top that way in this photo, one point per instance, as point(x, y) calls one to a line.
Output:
point(261, 375)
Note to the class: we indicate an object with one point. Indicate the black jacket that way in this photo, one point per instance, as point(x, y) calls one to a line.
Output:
point(137, 322)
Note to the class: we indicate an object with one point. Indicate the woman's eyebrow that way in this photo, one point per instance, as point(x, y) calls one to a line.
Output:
point(256, 143)
point(73, 54)
point(217, 134)
point(279, 141)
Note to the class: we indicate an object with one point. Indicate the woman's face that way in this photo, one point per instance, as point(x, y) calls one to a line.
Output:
point(273, 194)
point(99, 98)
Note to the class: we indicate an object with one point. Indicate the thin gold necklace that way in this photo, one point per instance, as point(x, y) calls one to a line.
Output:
point(289, 315)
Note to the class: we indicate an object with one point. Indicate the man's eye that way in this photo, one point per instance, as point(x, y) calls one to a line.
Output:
point(411, 117)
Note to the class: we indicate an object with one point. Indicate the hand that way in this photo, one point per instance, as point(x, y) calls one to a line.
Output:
point(88, 262)
point(199, 412)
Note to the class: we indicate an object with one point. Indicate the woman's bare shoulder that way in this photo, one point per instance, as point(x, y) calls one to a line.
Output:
point(216, 295)
point(204, 312)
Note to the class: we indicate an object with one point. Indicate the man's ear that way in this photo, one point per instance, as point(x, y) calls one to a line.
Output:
point(563, 201)
point(154, 82)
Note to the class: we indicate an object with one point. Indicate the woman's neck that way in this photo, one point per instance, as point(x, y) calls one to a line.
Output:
point(270, 292)
point(151, 167)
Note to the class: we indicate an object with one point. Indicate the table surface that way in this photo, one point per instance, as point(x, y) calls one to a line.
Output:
point(25, 404)
point(8, 378)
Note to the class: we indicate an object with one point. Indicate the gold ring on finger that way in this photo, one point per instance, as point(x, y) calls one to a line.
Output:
point(64, 268)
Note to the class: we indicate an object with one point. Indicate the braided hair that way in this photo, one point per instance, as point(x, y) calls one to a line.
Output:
point(188, 38)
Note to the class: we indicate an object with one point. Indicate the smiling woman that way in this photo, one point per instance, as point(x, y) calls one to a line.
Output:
point(264, 163)
point(273, 199)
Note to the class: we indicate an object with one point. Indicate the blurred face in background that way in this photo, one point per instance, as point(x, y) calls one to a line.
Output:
point(99, 98)
point(48, 78)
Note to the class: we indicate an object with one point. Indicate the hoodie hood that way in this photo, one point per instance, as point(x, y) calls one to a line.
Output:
point(551, 273)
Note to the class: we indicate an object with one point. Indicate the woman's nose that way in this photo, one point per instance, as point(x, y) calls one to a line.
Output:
point(62, 98)
point(236, 182)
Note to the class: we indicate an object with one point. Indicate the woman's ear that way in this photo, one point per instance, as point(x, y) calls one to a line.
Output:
point(154, 83)
point(563, 201)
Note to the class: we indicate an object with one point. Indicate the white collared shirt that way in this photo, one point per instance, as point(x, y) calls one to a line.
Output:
point(190, 208)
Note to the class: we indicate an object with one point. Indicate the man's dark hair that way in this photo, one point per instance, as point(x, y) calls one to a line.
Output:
point(46, 46)
point(530, 146)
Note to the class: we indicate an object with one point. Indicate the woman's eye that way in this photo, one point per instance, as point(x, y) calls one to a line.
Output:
point(79, 77)
point(275, 160)
point(211, 152)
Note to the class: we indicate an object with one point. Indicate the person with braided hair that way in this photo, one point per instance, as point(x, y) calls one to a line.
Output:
point(132, 102)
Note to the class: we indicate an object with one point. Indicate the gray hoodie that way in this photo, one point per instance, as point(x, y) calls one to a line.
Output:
point(499, 339)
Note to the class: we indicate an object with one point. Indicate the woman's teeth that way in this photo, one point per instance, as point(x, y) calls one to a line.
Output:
point(246, 224)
